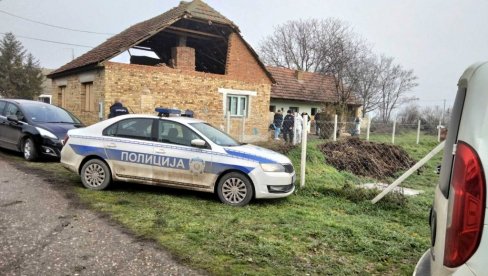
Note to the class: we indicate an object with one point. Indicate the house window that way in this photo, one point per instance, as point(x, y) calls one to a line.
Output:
point(88, 97)
point(313, 111)
point(237, 105)
point(272, 108)
point(62, 96)
point(293, 108)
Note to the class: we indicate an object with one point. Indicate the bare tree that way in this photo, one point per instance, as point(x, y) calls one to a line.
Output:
point(331, 47)
point(326, 46)
point(395, 83)
point(410, 114)
point(293, 45)
point(367, 72)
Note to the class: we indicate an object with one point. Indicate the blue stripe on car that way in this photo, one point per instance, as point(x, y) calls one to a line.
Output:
point(155, 160)
point(248, 156)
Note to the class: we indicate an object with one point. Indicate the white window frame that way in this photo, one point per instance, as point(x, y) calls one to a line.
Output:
point(237, 93)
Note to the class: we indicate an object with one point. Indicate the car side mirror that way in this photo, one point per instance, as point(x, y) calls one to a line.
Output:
point(199, 143)
point(13, 118)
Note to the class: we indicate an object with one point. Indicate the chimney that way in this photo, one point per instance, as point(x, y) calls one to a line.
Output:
point(299, 74)
point(183, 57)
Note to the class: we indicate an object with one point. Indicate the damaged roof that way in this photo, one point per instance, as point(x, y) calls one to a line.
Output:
point(137, 33)
point(309, 87)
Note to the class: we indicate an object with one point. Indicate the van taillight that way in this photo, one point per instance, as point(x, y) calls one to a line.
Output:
point(468, 207)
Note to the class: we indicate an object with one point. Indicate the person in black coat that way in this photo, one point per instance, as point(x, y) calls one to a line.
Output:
point(277, 122)
point(288, 124)
point(117, 109)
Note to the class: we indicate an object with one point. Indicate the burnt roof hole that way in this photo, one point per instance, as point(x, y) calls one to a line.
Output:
point(209, 41)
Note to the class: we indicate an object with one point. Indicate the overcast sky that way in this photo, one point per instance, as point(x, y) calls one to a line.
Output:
point(437, 39)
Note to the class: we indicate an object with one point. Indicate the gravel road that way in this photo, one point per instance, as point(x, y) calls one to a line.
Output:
point(44, 231)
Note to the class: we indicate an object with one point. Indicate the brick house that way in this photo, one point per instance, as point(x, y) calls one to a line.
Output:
point(306, 92)
point(190, 57)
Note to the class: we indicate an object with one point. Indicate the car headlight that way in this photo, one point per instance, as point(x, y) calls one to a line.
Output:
point(47, 134)
point(272, 167)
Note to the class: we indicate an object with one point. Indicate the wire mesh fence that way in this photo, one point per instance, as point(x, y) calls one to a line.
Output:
point(371, 153)
point(366, 152)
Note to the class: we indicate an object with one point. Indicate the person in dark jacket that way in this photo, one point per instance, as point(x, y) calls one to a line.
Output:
point(288, 124)
point(277, 122)
point(117, 109)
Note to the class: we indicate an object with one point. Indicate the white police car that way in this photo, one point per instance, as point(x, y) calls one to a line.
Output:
point(178, 152)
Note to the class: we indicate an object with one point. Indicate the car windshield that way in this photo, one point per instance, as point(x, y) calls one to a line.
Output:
point(45, 113)
point(215, 135)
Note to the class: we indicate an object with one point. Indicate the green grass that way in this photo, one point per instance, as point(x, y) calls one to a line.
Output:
point(328, 227)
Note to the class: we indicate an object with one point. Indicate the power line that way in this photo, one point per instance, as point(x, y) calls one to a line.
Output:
point(51, 41)
point(51, 25)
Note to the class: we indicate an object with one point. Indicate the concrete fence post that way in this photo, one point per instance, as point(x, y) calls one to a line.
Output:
point(227, 117)
point(304, 152)
point(439, 131)
point(368, 128)
point(393, 132)
point(335, 127)
point(243, 126)
point(418, 133)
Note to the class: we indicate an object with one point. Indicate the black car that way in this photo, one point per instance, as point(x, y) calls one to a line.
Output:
point(34, 128)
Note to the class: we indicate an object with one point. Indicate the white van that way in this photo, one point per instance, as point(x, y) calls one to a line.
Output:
point(459, 233)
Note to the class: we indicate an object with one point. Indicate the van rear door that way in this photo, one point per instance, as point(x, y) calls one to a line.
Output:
point(444, 215)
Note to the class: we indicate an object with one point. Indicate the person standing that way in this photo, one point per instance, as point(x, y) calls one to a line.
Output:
point(277, 122)
point(316, 119)
point(117, 109)
point(357, 126)
point(288, 124)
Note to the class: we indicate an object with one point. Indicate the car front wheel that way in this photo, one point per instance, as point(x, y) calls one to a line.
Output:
point(29, 149)
point(95, 175)
point(235, 189)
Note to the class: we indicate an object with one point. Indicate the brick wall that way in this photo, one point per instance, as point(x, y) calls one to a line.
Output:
point(184, 58)
point(241, 64)
point(72, 94)
point(143, 88)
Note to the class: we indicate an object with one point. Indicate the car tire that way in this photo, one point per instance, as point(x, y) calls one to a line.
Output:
point(29, 150)
point(95, 175)
point(235, 189)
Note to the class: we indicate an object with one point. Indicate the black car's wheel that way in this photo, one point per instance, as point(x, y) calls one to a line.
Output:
point(29, 150)
point(95, 175)
point(235, 189)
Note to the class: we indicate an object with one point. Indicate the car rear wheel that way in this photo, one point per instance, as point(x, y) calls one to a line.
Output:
point(235, 189)
point(29, 150)
point(95, 175)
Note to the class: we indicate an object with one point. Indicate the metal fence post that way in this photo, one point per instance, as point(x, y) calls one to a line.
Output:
point(335, 127)
point(368, 128)
point(393, 132)
point(304, 152)
point(418, 133)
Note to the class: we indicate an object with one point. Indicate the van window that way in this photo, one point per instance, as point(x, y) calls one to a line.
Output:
point(452, 134)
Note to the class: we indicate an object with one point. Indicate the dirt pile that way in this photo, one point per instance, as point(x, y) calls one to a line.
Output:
point(377, 160)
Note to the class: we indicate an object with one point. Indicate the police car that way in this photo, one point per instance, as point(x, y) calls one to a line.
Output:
point(176, 151)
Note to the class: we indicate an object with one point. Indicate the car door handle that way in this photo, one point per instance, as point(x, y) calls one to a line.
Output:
point(159, 150)
point(111, 145)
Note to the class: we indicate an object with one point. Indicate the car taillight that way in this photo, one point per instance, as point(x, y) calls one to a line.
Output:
point(468, 207)
point(65, 140)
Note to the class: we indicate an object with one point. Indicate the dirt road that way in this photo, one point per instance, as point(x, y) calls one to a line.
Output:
point(44, 231)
